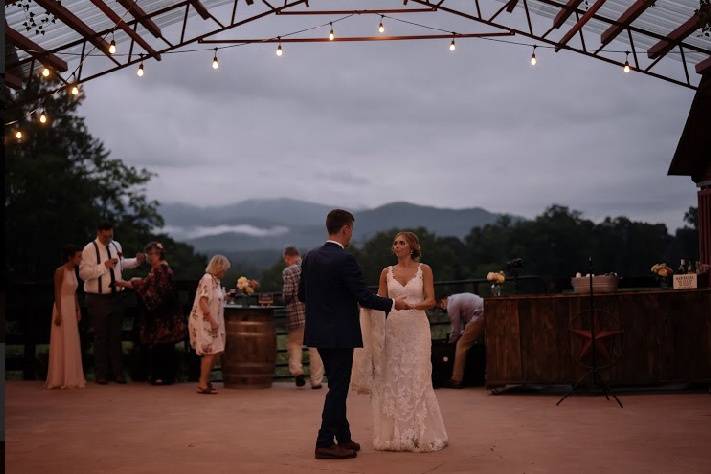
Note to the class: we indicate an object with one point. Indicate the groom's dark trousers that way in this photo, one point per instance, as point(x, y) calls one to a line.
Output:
point(332, 287)
point(334, 423)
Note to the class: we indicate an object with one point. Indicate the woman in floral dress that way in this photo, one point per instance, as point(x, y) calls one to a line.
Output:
point(207, 320)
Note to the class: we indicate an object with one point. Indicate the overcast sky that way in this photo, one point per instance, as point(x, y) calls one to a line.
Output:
point(362, 124)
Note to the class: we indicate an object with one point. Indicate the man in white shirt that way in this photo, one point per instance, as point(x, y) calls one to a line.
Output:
point(466, 313)
point(102, 262)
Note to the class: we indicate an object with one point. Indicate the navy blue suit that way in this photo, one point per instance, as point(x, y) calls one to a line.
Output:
point(332, 286)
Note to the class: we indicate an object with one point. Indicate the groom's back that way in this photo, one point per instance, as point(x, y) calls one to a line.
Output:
point(331, 309)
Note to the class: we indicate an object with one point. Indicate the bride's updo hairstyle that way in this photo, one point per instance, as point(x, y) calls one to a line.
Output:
point(413, 242)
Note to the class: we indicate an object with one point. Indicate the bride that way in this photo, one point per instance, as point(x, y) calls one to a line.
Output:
point(396, 362)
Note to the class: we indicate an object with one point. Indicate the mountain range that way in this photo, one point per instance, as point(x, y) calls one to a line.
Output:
point(260, 227)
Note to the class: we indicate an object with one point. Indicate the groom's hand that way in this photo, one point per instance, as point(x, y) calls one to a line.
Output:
point(400, 304)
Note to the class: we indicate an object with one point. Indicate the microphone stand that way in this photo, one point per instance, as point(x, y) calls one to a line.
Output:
point(594, 371)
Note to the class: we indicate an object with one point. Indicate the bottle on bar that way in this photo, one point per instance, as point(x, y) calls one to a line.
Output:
point(682, 268)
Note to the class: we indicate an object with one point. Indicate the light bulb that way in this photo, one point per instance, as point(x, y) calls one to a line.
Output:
point(627, 66)
point(43, 118)
point(18, 135)
point(45, 72)
point(75, 90)
point(330, 34)
point(452, 47)
point(215, 63)
point(112, 47)
point(533, 59)
point(381, 28)
point(279, 50)
point(140, 70)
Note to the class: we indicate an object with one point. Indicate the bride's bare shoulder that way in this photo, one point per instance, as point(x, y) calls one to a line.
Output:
point(426, 268)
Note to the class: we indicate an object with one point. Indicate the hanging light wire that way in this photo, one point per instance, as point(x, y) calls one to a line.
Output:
point(74, 90)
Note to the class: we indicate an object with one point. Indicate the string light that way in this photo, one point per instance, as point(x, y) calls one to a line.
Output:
point(74, 90)
point(43, 118)
point(18, 135)
point(215, 62)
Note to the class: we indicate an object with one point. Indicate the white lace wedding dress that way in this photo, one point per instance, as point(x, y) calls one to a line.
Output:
point(395, 366)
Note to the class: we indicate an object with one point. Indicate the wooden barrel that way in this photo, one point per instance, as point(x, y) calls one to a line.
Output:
point(250, 350)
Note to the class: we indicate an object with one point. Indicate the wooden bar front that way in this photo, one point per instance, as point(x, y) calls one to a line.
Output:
point(652, 337)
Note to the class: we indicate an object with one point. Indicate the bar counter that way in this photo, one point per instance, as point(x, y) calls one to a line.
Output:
point(643, 338)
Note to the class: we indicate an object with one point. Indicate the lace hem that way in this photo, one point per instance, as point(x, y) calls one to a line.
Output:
point(410, 445)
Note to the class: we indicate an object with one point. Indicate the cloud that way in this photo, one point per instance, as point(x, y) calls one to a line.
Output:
point(206, 231)
point(364, 124)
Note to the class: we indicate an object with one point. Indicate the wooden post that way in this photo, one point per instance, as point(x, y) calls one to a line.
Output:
point(704, 222)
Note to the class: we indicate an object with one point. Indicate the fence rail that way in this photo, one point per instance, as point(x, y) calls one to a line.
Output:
point(28, 318)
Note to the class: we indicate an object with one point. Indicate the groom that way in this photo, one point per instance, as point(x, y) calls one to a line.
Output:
point(332, 286)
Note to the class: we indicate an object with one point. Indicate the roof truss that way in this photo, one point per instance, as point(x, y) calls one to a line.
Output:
point(144, 32)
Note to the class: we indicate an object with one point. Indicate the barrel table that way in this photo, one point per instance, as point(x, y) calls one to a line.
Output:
point(644, 338)
point(250, 350)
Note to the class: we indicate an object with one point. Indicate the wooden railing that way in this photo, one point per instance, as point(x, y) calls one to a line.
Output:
point(28, 321)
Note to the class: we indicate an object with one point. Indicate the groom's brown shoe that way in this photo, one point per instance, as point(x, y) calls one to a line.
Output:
point(334, 452)
point(350, 445)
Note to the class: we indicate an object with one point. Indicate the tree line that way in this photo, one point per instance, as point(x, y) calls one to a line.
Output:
point(555, 244)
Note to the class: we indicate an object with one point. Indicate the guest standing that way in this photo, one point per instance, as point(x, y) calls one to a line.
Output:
point(65, 367)
point(466, 313)
point(296, 311)
point(207, 320)
point(101, 266)
point(161, 325)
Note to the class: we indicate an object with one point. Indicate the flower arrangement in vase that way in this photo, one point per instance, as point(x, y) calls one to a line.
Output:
point(497, 280)
point(246, 288)
point(663, 273)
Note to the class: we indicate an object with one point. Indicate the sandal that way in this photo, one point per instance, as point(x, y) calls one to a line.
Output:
point(206, 391)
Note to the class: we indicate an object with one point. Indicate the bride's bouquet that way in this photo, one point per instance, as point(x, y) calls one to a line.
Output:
point(497, 280)
point(246, 286)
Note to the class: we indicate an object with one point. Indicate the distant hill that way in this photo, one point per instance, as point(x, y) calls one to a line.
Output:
point(268, 225)
point(442, 221)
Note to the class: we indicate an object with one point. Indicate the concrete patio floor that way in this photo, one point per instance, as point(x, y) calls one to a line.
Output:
point(137, 428)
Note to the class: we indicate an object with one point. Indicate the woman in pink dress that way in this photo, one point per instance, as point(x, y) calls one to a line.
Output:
point(65, 366)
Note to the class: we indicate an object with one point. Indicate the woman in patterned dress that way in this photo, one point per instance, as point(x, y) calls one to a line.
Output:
point(207, 320)
point(161, 325)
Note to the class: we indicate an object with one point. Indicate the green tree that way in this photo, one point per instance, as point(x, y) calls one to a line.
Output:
point(61, 182)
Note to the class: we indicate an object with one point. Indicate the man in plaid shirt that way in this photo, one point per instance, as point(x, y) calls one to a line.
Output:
point(296, 312)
